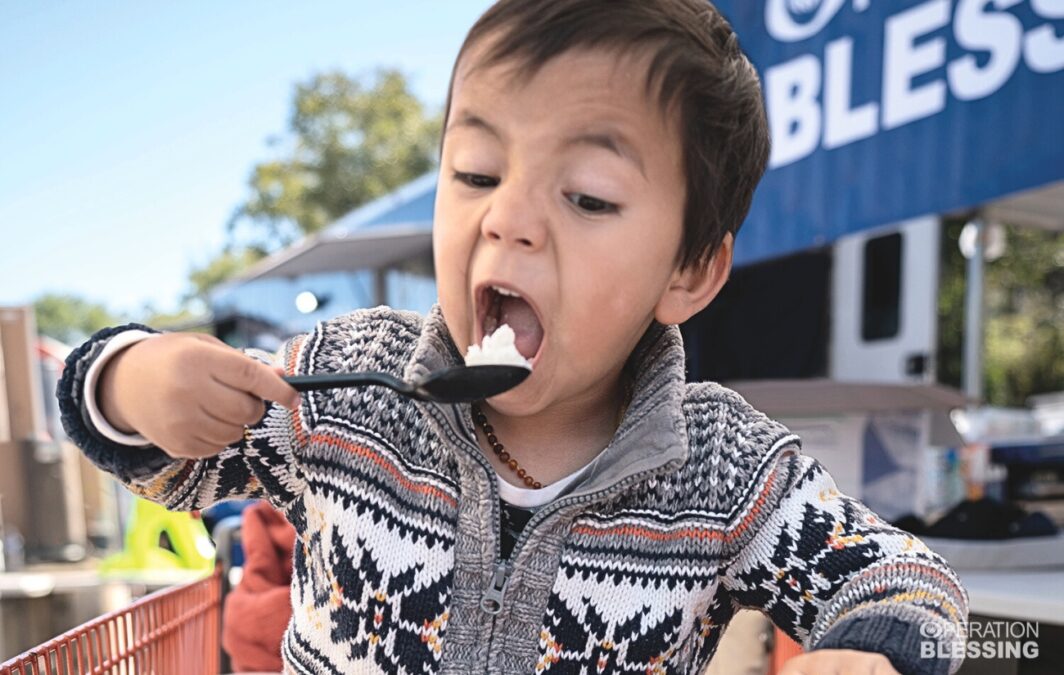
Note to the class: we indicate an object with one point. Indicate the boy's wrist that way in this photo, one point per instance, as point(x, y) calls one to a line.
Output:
point(107, 394)
point(102, 390)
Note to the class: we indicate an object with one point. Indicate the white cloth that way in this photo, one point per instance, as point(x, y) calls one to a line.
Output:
point(114, 345)
point(527, 498)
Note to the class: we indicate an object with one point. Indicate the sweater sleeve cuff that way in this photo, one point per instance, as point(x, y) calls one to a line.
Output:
point(911, 649)
point(126, 462)
point(92, 377)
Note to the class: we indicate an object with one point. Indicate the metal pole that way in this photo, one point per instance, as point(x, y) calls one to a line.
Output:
point(972, 371)
point(21, 379)
point(380, 286)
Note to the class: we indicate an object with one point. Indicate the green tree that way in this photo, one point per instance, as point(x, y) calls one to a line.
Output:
point(1024, 315)
point(69, 318)
point(224, 266)
point(348, 142)
point(189, 316)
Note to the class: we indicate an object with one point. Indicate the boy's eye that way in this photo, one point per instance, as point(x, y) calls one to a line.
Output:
point(476, 180)
point(591, 204)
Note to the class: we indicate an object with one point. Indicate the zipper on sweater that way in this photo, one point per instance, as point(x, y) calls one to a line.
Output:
point(491, 602)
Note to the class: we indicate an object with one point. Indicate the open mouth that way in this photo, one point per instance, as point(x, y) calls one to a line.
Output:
point(496, 305)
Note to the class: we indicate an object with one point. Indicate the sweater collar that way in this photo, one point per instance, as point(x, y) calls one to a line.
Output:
point(653, 433)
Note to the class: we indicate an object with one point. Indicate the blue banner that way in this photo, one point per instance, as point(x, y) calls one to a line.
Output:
point(883, 110)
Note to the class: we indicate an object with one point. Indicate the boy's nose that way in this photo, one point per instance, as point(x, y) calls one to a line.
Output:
point(514, 218)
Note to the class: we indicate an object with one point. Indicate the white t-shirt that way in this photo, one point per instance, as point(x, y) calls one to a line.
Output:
point(530, 499)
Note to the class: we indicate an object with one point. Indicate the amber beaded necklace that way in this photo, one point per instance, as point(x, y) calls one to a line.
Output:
point(500, 451)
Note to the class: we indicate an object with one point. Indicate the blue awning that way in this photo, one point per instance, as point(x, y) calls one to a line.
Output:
point(386, 231)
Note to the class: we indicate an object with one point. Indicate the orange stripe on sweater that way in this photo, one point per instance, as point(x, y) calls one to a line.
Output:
point(380, 461)
point(290, 367)
point(922, 568)
point(171, 479)
point(905, 598)
point(687, 532)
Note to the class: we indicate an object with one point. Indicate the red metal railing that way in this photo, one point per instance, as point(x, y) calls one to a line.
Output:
point(171, 632)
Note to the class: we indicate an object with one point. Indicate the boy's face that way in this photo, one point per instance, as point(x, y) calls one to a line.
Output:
point(567, 188)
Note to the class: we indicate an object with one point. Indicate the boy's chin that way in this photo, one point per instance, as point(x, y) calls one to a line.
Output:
point(516, 403)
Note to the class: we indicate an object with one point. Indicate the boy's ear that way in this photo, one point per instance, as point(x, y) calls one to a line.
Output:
point(691, 290)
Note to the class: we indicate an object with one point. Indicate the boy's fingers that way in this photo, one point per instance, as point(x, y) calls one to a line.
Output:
point(232, 406)
point(191, 449)
point(258, 379)
point(294, 402)
point(218, 437)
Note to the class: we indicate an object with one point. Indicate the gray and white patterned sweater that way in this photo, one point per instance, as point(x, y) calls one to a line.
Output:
point(699, 506)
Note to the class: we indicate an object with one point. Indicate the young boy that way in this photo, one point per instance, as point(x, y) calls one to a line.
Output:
point(602, 517)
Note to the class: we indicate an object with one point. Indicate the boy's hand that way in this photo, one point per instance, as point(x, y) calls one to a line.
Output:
point(189, 394)
point(838, 662)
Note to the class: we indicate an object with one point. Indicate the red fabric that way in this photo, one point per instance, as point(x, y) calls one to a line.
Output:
point(257, 611)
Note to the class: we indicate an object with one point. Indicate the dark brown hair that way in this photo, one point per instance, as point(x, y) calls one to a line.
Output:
point(697, 70)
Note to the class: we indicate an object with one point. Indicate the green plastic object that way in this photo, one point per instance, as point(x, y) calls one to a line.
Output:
point(191, 544)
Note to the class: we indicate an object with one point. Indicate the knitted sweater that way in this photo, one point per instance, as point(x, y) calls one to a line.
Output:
point(699, 505)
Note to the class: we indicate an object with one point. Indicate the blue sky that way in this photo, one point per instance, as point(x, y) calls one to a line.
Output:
point(128, 129)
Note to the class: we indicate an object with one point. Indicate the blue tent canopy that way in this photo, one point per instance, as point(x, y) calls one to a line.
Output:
point(353, 263)
point(388, 230)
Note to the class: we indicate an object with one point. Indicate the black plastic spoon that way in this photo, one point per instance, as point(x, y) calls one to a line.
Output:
point(460, 384)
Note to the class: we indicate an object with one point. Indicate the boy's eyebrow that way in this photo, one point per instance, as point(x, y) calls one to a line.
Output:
point(611, 141)
point(607, 140)
point(473, 121)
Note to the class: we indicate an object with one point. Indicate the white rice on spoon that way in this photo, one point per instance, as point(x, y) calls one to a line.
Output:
point(497, 349)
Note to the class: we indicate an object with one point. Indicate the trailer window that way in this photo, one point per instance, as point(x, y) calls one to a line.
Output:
point(881, 308)
point(764, 325)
